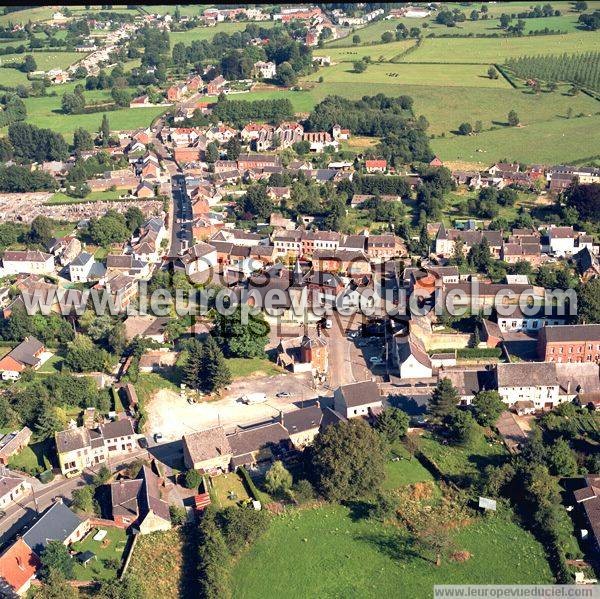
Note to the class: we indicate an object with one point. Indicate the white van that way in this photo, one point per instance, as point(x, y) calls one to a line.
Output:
point(254, 398)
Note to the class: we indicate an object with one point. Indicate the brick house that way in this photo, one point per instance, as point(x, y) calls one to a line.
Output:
point(572, 343)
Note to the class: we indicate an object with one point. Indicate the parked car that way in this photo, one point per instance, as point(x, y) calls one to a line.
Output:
point(157, 437)
point(376, 360)
point(251, 398)
point(283, 394)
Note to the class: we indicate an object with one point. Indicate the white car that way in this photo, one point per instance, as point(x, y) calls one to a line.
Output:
point(376, 360)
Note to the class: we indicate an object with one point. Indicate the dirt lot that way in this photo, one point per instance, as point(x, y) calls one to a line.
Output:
point(173, 416)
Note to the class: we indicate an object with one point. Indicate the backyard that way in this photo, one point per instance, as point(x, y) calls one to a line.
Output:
point(108, 552)
point(228, 490)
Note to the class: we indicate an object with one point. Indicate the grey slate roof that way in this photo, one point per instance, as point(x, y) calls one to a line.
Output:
point(57, 524)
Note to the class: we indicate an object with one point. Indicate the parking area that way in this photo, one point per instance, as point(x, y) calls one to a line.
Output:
point(172, 416)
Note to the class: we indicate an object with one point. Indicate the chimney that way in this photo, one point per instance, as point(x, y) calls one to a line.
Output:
point(20, 562)
point(569, 387)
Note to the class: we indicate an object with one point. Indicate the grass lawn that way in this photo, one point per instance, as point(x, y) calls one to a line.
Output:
point(40, 13)
point(52, 365)
point(94, 196)
point(243, 367)
point(35, 455)
point(111, 548)
point(165, 563)
point(547, 142)
point(149, 383)
point(441, 75)
point(486, 50)
point(407, 471)
point(462, 462)
point(335, 555)
point(226, 484)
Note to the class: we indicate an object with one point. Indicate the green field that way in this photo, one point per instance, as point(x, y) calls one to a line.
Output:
point(547, 142)
point(207, 33)
point(376, 52)
point(94, 196)
point(330, 554)
point(45, 61)
point(243, 367)
point(485, 50)
point(406, 471)
point(40, 13)
point(455, 75)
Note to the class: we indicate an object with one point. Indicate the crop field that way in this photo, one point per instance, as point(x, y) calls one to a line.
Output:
point(455, 75)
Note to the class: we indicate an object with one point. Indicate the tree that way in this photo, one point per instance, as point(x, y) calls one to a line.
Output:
point(192, 479)
point(561, 459)
point(83, 499)
point(443, 400)
point(108, 229)
point(392, 423)
point(82, 140)
point(465, 129)
point(356, 39)
point(586, 200)
point(461, 426)
point(134, 218)
point(212, 153)
point(278, 481)
point(214, 557)
point(50, 419)
point(580, 6)
point(83, 356)
point(42, 229)
point(387, 37)
point(124, 588)
point(29, 65)
point(513, 118)
point(588, 302)
point(256, 202)
point(233, 148)
point(383, 507)
point(348, 460)
point(56, 557)
point(241, 527)
point(214, 372)
point(360, 66)
point(487, 407)
point(504, 20)
point(55, 587)
point(104, 130)
point(492, 72)
point(178, 515)
point(238, 339)
point(435, 539)
point(474, 16)
point(286, 76)
point(478, 128)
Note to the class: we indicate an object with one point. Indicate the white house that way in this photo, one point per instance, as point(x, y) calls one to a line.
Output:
point(265, 70)
point(84, 268)
point(357, 399)
point(28, 261)
point(516, 320)
point(12, 489)
point(200, 258)
point(561, 240)
point(534, 382)
point(411, 358)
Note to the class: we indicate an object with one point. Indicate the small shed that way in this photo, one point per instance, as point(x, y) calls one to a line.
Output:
point(85, 557)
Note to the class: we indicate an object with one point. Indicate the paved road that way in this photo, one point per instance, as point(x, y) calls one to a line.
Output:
point(181, 231)
point(22, 513)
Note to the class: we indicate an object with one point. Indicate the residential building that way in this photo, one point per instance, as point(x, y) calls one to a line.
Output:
point(140, 502)
point(410, 356)
point(199, 259)
point(376, 166)
point(85, 268)
point(570, 343)
point(208, 450)
point(28, 261)
point(13, 443)
point(216, 86)
point(357, 399)
point(28, 354)
point(535, 382)
point(80, 448)
point(262, 443)
point(304, 354)
point(588, 498)
point(533, 319)
point(18, 566)
point(447, 238)
point(265, 70)
point(12, 489)
point(303, 425)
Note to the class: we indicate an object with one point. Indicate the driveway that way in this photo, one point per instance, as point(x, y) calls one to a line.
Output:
point(170, 414)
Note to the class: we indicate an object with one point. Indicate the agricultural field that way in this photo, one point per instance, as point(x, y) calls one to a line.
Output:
point(547, 142)
point(39, 13)
point(488, 50)
point(387, 52)
point(456, 75)
point(45, 61)
point(338, 555)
